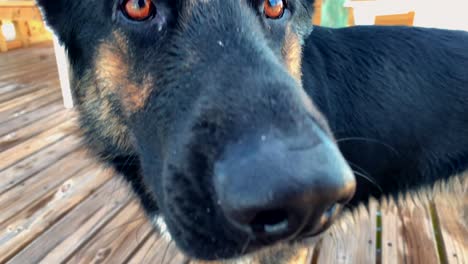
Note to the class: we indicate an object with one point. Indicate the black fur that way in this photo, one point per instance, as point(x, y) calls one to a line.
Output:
point(398, 97)
point(394, 98)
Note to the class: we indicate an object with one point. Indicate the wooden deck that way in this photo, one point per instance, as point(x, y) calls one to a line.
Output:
point(58, 206)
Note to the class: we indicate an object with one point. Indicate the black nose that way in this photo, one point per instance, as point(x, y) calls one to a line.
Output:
point(277, 188)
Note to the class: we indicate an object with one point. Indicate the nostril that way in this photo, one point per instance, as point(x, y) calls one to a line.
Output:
point(329, 215)
point(343, 201)
point(331, 211)
point(270, 222)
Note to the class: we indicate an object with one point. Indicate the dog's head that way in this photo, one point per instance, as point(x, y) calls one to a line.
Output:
point(204, 99)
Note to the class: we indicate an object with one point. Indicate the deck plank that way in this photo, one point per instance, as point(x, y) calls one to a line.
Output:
point(452, 217)
point(352, 239)
point(392, 241)
point(28, 147)
point(27, 75)
point(29, 107)
point(25, 227)
point(11, 90)
point(24, 99)
point(335, 245)
point(128, 227)
point(75, 229)
point(158, 249)
point(418, 233)
point(148, 250)
point(21, 121)
point(12, 139)
point(14, 202)
point(37, 162)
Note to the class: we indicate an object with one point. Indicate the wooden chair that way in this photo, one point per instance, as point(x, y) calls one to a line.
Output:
point(27, 21)
point(380, 12)
point(30, 28)
point(397, 19)
point(317, 18)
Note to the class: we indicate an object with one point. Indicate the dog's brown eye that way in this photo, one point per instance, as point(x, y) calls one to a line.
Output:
point(138, 10)
point(273, 9)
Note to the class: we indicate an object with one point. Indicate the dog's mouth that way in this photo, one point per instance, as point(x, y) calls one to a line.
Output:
point(275, 225)
point(308, 236)
point(325, 222)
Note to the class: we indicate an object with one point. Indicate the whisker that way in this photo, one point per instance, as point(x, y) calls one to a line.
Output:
point(246, 245)
point(368, 178)
point(363, 173)
point(353, 165)
point(371, 140)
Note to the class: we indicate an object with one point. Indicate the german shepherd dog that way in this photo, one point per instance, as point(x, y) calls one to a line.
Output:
point(239, 125)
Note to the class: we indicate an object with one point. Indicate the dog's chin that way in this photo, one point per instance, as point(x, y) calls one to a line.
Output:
point(280, 253)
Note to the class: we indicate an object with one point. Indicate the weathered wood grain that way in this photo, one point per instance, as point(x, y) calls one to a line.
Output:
point(352, 239)
point(14, 201)
point(28, 147)
point(27, 75)
point(26, 226)
point(149, 249)
point(29, 107)
point(12, 139)
point(392, 242)
point(418, 233)
point(37, 162)
point(12, 90)
point(21, 121)
point(24, 99)
point(158, 249)
point(451, 212)
point(126, 229)
point(76, 228)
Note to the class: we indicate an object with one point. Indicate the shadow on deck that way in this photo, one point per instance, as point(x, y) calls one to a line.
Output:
point(58, 205)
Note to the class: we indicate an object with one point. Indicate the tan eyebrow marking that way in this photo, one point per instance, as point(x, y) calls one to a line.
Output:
point(112, 71)
point(292, 54)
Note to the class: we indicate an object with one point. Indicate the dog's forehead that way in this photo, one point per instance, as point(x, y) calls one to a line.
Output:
point(210, 1)
point(218, 4)
point(204, 2)
point(200, 1)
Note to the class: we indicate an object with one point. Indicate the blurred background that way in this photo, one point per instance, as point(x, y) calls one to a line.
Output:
point(21, 23)
point(449, 14)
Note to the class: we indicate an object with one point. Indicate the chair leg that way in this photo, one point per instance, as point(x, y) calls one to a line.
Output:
point(22, 32)
point(64, 75)
point(3, 42)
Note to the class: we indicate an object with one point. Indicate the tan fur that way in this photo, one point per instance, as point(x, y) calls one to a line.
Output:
point(292, 54)
point(112, 66)
point(96, 105)
point(134, 98)
point(107, 96)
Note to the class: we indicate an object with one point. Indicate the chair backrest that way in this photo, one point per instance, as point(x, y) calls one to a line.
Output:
point(397, 19)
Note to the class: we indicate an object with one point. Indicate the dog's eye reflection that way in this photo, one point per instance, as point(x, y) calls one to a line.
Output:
point(138, 10)
point(274, 9)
